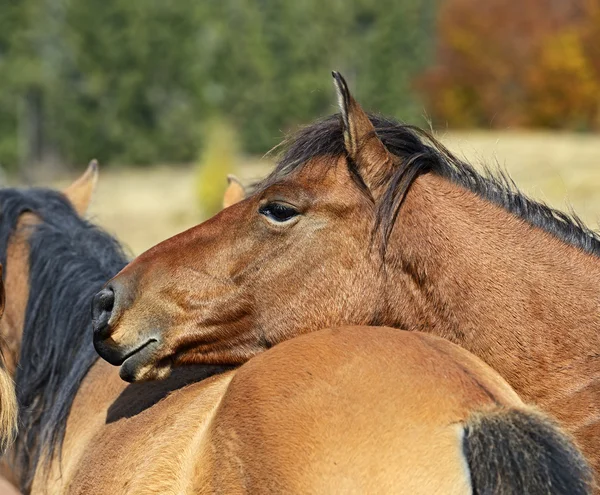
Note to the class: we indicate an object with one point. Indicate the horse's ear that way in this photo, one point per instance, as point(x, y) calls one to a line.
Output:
point(362, 144)
point(80, 192)
point(234, 193)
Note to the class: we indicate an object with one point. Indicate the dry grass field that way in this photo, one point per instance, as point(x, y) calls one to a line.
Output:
point(144, 206)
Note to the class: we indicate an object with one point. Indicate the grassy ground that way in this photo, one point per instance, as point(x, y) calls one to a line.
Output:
point(145, 206)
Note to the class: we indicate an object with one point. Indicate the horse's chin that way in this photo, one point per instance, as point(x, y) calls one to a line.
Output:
point(133, 373)
point(140, 365)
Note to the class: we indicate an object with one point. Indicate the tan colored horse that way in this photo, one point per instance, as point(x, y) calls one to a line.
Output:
point(350, 410)
point(367, 221)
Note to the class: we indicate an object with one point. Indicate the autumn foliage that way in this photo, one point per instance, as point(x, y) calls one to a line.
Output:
point(525, 63)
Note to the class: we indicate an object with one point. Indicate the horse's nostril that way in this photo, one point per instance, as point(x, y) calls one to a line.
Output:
point(102, 306)
point(106, 299)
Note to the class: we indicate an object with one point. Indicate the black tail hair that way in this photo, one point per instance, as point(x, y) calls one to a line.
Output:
point(511, 451)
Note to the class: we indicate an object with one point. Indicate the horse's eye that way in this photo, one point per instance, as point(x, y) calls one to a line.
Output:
point(278, 212)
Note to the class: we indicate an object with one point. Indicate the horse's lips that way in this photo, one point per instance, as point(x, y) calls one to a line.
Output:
point(135, 359)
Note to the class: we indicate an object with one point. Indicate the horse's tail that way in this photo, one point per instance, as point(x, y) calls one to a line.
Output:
point(511, 451)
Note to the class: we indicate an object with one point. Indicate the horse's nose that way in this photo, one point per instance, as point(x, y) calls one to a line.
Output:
point(102, 307)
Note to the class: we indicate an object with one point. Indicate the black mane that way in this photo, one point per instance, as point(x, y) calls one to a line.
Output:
point(419, 153)
point(69, 261)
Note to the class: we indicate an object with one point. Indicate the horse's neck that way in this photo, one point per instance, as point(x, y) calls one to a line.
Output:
point(515, 295)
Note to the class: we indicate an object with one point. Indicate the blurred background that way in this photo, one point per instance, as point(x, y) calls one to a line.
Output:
point(172, 95)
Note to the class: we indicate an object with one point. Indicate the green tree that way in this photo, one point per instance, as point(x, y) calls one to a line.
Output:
point(140, 81)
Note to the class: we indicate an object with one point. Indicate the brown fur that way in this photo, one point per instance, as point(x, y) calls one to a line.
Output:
point(456, 265)
point(8, 405)
point(352, 414)
point(8, 399)
point(351, 409)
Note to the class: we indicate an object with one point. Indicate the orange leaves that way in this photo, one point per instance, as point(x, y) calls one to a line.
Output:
point(526, 63)
point(562, 85)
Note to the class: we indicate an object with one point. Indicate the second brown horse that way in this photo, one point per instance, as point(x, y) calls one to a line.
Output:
point(368, 221)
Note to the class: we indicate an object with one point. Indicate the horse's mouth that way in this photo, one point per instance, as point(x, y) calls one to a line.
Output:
point(136, 359)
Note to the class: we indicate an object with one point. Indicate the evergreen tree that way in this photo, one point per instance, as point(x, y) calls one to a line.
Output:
point(139, 81)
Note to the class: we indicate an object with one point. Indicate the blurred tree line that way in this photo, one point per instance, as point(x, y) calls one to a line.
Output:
point(138, 82)
point(531, 63)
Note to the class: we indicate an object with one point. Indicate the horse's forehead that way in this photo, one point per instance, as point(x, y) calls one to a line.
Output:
point(327, 167)
point(326, 173)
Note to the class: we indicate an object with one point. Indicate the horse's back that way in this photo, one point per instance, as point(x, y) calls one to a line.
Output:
point(134, 439)
point(352, 410)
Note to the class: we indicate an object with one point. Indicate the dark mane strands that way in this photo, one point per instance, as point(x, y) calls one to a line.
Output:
point(69, 261)
point(419, 152)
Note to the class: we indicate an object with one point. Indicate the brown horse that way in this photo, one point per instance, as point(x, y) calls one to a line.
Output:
point(355, 410)
point(368, 221)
